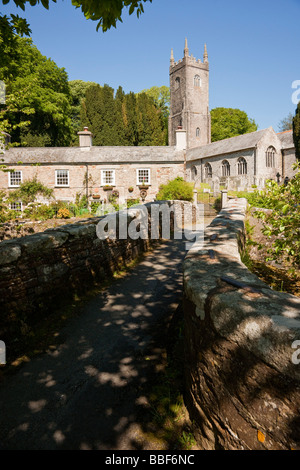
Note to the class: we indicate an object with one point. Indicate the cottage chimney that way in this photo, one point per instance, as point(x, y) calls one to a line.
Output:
point(85, 138)
point(180, 138)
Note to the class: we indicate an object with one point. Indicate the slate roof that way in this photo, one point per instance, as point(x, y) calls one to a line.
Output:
point(233, 144)
point(286, 138)
point(92, 155)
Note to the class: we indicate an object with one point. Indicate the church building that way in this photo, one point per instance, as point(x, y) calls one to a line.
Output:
point(128, 172)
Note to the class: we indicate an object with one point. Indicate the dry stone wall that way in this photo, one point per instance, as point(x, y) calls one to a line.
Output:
point(242, 371)
point(38, 271)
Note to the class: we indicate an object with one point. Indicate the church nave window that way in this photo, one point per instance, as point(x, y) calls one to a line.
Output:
point(242, 166)
point(270, 157)
point(225, 168)
point(207, 170)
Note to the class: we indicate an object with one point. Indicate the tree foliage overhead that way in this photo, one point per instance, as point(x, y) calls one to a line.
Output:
point(106, 12)
point(122, 119)
point(229, 122)
point(296, 131)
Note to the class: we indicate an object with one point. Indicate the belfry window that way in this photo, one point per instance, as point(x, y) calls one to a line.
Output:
point(207, 170)
point(177, 83)
point(225, 168)
point(197, 81)
point(270, 157)
point(242, 166)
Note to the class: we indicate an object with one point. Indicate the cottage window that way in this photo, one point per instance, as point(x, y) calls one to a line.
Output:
point(16, 206)
point(143, 176)
point(207, 170)
point(15, 178)
point(242, 166)
point(270, 157)
point(61, 177)
point(225, 168)
point(197, 81)
point(107, 177)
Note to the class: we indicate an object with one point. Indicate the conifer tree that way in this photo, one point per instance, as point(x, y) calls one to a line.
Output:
point(120, 138)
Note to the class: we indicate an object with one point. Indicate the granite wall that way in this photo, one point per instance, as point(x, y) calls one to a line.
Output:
point(242, 346)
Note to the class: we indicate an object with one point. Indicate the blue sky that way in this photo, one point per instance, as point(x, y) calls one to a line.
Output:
point(253, 48)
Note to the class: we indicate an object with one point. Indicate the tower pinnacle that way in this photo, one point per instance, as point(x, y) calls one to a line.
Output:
point(186, 49)
point(172, 58)
point(205, 55)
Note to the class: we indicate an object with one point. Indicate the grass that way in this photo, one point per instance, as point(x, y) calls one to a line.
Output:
point(168, 425)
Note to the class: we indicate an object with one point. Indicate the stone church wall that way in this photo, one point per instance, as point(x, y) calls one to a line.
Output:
point(289, 160)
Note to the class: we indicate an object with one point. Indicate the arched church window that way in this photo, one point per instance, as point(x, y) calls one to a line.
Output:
point(198, 132)
point(270, 157)
point(242, 166)
point(177, 83)
point(207, 170)
point(197, 81)
point(225, 168)
point(193, 172)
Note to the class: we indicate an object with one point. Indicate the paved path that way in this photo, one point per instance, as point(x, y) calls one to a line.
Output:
point(88, 392)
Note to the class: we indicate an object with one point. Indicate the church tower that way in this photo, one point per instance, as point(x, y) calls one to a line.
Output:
point(189, 81)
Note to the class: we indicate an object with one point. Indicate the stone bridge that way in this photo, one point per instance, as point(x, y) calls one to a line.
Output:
point(241, 365)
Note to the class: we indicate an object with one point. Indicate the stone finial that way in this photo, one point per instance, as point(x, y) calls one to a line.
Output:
point(186, 49)
point(205, 55)
point(172, 58)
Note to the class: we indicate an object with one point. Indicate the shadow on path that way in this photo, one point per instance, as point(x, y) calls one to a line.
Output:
point(88, 393)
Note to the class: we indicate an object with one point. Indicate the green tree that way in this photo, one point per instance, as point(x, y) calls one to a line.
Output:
point(37, 111)
point(106, 12)
point(286, 124)
point(130, 119)
point(161, 97)
point(77, 90)
point(98, 113)
point(150, 128)
point(296, 131)
point(120, 137)
point(229, 122)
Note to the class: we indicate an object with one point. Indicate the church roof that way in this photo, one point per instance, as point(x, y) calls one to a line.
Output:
point(233, 144)
point(92, 155)
point(286, 138)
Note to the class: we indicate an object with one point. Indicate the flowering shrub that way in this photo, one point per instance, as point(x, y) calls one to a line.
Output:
point(63, 213)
